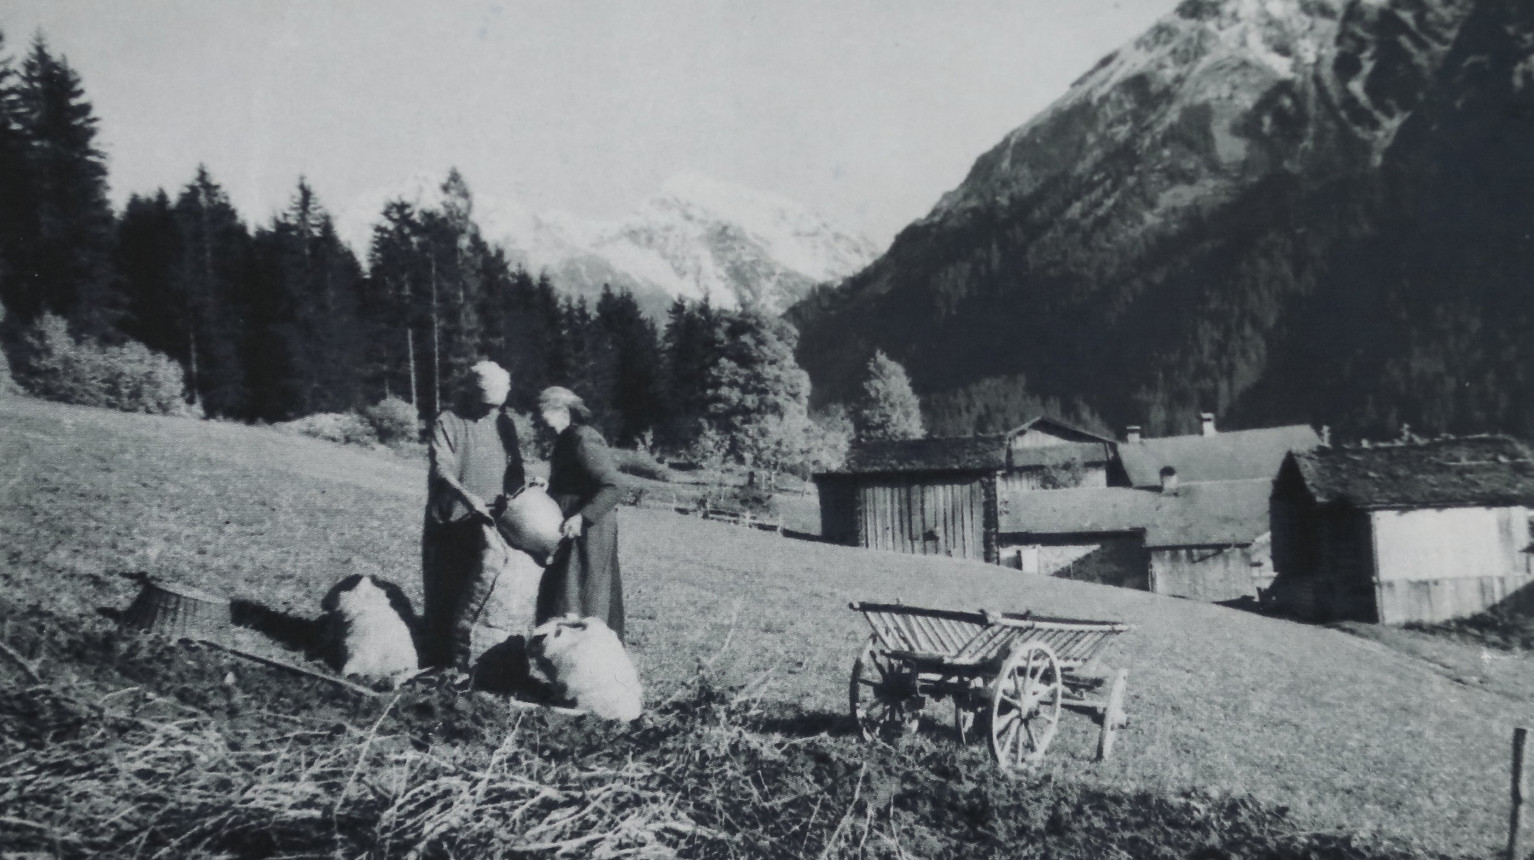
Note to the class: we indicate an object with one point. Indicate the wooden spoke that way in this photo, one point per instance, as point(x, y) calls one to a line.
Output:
point(883, 695)
point(1025, 706)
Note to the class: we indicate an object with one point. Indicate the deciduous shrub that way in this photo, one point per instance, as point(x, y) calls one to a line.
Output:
point(54, 365)
point(641, 464)
point(393, 421)
point(344, 428)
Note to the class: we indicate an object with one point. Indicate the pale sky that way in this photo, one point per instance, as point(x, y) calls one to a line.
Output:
point(864, 111)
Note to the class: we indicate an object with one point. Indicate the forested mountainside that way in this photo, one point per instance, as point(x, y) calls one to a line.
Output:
point(1277, 210)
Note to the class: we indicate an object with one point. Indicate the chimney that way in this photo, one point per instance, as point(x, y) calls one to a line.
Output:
point(1169, 480)
point(1132, 433)
point(1208, 419)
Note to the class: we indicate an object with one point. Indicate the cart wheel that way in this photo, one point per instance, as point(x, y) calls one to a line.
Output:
point(1025, 705)
point(1114, 717)
point(883, 695)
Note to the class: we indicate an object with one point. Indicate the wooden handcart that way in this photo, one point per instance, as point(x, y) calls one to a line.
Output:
point(1008, 675)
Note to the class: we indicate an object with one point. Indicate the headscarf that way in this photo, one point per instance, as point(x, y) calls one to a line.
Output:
point(491, 382)
point(556, 397)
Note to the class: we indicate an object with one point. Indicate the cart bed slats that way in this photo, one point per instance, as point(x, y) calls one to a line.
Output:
point(973, 637)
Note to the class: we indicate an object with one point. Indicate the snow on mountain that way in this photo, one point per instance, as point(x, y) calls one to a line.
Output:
point(698, 238)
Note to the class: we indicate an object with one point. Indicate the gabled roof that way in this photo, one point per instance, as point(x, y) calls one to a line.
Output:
point(1059, 428)
point(1230, 455)
point(1216, 513)
point(988, 453)
point(1475, 471)
point(957, 454)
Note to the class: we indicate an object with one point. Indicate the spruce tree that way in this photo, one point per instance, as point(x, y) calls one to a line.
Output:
point(147, 249)
point(629, 367)
point(758, 396)
point(888, 408)
point(210, 293)
point(62, 259)
point(17, 194)
point(304, 343)
point(396, 270)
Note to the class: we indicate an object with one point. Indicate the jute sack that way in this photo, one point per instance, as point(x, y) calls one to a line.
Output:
point(499, 604)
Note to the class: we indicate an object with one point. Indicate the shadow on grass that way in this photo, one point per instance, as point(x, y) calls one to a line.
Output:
point(1245, 603)
point(806, 536)
point(807, 725)
point(308, 636)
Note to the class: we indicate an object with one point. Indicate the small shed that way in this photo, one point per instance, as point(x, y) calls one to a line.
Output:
point(943, 496)
point(1425, 531)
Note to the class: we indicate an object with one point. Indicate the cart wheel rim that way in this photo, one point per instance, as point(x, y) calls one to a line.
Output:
point(882, 695)
point(1114, 717)
point(1025, 706)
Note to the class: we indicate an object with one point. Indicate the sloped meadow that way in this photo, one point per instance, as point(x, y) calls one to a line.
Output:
point(1250, 737)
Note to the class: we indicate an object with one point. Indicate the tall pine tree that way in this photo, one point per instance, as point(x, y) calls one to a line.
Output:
point(17, 195)
point(147, 249)
point(210, 290)
point(304, 341)
point(62, 258)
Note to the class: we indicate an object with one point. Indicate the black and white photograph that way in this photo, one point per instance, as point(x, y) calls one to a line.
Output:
point(829, 429)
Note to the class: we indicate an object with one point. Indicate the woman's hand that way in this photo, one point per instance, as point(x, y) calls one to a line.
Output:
point(479, 508)
point(572, 527)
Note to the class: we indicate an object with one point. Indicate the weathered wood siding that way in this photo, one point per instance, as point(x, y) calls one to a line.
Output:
point(1027, 480)
point(838, 509)
point(1213, 574)
point(1345, 567)
point(1436, 564)
point(932, 515)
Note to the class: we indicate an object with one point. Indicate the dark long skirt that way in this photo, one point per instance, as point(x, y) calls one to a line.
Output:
point(583, 577)
point(451, 558)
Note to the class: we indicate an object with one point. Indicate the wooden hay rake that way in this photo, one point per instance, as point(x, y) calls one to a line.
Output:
point(1009, 675)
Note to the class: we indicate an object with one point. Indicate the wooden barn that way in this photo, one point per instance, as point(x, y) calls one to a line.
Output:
point(944, 496)
point(1411, 532)
point(1205, 541)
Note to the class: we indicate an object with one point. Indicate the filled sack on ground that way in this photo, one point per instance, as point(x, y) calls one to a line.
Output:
point(498, 606)
point(367, 626)
point(587, 665)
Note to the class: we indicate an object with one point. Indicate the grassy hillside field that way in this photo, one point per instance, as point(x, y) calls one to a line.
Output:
point(1348, 733)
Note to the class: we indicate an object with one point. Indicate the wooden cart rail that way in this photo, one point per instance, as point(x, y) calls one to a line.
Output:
point(976, 637)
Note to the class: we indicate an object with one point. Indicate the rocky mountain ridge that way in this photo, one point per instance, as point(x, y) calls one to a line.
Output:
point(697, 239)
point(1161, 240)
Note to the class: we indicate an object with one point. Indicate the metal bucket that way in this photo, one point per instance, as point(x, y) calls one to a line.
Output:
point(179, 611)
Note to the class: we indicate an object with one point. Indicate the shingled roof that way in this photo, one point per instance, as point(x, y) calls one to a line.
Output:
point(1216, 513)
point(1231, 455)
point(958, 454)
point(1463, 472)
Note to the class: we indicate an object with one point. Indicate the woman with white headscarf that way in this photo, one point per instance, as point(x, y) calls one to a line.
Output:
point(582, 578)
point(475, 461)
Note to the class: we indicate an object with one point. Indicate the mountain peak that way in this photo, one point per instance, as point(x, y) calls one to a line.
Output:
point(697, 238)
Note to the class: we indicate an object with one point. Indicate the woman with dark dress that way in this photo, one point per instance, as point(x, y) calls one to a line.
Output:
point(475, 460)
point(583, 578)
